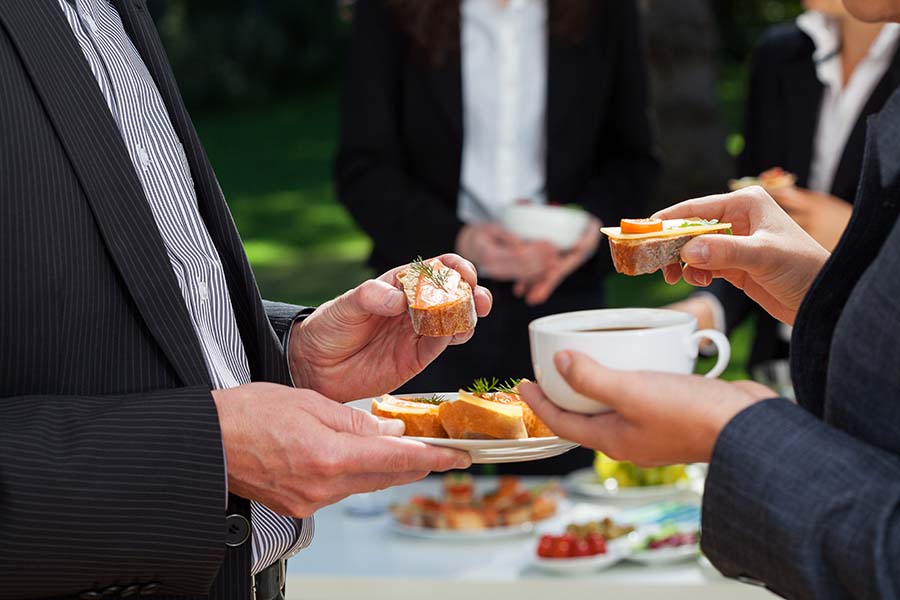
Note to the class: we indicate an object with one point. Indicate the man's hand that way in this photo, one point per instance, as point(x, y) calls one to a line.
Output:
point(823, 216)
point(296, 451)
point(539, 290)
point(363, 344)
point(659, 418)
point(770, 257)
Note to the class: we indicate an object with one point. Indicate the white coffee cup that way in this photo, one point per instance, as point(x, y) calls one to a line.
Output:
point(629, 339)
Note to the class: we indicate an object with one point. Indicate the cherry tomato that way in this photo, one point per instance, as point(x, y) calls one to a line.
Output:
point(545, 546)
point(597, 543)
point(640, 225)
point(581, 548)
point(562, 548)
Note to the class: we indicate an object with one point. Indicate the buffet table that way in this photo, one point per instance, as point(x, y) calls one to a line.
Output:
point(363, 557)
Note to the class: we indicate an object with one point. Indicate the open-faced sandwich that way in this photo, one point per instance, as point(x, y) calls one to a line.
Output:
point(641, 246)
point(771, 179)
point(440, 301)
point(488, 410)
point(461, 509)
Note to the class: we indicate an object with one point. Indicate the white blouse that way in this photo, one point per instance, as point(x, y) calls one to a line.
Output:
point(504, 77)
point(841, 106)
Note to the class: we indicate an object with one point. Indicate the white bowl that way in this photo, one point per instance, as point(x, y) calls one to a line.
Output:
point(556, 224)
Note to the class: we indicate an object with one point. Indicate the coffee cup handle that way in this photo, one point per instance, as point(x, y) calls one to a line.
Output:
point(723, 349)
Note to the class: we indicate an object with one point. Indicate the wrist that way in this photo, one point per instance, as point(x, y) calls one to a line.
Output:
point(298, 367)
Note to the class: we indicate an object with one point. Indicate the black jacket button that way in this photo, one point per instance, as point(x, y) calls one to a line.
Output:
point(237, 530)
point(131, 591)
point(92, 595)
point(150, 589)
point(112, 590)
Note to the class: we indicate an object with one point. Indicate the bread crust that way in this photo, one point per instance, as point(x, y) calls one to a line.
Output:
point(640, 257)
point(426, 424)
point(443, 320)
point(464, 420)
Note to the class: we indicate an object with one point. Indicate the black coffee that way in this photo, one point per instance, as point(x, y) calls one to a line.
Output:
point(599, 329)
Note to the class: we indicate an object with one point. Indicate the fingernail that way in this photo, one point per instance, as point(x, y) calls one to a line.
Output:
point(394, 427)
point(695, 252)
point(463, 462)
point(563, 360)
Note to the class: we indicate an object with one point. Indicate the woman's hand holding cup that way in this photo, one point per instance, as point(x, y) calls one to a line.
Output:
point(770, 257)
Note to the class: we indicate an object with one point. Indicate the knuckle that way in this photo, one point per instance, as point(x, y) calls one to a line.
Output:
point(326, 465)
point(397, 462)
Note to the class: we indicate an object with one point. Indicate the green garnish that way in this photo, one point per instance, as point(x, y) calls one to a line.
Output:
point(704, 223)
point(573, 206)
point(439, 278)
point(433, 399)
point(483, 385)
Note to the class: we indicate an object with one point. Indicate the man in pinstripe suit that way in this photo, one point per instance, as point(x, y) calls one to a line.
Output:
point(138, 365)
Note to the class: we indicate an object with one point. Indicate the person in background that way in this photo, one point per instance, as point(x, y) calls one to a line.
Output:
point(453, 111)
point(813, 85)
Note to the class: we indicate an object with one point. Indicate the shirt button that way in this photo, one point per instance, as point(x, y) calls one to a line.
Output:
point(202, 290)
point(144, 157)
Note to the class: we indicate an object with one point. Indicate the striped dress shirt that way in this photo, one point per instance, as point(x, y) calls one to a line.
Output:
point(162, 167)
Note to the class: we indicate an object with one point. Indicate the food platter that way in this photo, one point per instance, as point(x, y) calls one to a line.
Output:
point(488, 451)
point(585, 483)
point(474, 535)
point(583, 565)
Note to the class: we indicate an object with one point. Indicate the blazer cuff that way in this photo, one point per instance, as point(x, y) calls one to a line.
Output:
point(282, 316)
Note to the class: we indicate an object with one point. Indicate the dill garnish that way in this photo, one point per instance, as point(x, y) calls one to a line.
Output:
point(438, 278)
point(433, 399)
point(483, 385)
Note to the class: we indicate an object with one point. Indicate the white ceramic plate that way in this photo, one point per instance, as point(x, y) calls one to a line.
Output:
point(582, 565)
point(488, 451)
point(665, 556)
point(585, 483)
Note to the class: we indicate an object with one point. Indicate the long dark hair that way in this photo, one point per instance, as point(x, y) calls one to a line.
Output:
point(433, 25)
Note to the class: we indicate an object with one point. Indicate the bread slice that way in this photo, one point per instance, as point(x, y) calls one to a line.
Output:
point(642, 253)
point(422, 419)
point(474, 418)
point(440, 300)
point(533, 425)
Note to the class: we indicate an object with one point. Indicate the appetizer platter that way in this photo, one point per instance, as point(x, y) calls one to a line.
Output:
point(642, 246)
point(622, 480)
point(509, 509)
point(489, 420)
point(584, 547)
point(771, 179)
point(440, 301)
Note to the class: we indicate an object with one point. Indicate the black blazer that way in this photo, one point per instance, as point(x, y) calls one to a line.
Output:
point(111, 464)
point(781, 119)
point(807, 499)
point(401, 137)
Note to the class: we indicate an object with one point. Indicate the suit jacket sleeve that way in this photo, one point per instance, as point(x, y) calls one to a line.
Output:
point(100, 490)
point(803, 507)
point(281, 316)
point(625, 151)
point(402, 217)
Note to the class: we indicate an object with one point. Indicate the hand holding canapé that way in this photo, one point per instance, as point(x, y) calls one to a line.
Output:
point(769, 256)
point(296, 451)
point(363, 343)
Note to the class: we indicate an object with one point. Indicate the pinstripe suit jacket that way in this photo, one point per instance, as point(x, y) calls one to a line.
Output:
point(807, 499)
point(111, 465)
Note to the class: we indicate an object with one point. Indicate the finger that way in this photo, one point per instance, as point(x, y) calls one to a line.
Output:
point(544, 287)
point(464, 267)
point(520, 288)
point(462, 338)
point(710, 252)
point(707, 207)
point(755, 389)
point(672, 273)
point(598, 431)
point(399, 455)
point(345, 419)
point(484, 301)
point(697, 277)
point(372, 297)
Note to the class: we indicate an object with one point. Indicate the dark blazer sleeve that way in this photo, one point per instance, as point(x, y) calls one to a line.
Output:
point(96, 491)
point(625, 152)
point(802, 506)
point(281, 316)
point(403, 218)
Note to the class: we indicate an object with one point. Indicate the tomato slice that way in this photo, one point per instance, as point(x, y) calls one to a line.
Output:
point(641, 225)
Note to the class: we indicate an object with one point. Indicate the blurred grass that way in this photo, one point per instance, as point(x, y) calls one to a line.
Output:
point(274, 165)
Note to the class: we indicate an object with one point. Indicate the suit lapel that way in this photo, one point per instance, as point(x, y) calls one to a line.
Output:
point(263, 349)
point(847, 173)
point(98, 155)
point(803, 104)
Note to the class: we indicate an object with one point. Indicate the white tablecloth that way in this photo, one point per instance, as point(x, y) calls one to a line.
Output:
point(362, 558)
